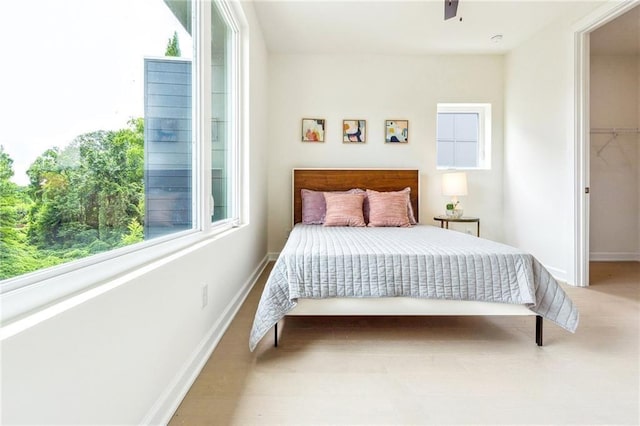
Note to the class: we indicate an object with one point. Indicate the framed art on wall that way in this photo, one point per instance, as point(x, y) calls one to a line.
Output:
point(354, 131)
point(396, 131)
point(313, 129)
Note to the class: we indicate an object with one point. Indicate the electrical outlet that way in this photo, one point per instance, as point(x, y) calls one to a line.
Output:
point(205, 295)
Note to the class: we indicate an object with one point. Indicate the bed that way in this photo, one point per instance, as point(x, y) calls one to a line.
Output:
point(419, 270)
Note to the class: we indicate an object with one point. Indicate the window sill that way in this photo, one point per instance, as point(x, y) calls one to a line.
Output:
point(462, 168)
point(28, 300)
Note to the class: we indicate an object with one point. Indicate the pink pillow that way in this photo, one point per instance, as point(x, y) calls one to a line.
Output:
point(388, 209)
point(314, 206)
point(406, 191)
point(344, 209)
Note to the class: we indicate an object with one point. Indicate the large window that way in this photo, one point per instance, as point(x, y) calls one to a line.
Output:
point(102, 152)
point(96, 141)
point(464, 136)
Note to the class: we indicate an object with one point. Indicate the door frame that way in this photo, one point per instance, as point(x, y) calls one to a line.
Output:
point(582, 30)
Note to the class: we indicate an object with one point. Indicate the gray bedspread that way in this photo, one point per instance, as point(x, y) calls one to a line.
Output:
point(422, 261)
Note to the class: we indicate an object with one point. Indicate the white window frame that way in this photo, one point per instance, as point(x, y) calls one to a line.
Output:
point(29, 299)
point(484, 132)
point(234, 146)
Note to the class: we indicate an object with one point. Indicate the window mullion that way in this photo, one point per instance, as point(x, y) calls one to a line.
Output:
point(203, 204)
point(455, 140)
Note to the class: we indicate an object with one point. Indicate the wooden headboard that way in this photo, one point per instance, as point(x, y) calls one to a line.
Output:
point(345, 179)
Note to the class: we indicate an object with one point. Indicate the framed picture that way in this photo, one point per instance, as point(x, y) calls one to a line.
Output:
point(354, 131)
point(396, 131)
point(313, 130)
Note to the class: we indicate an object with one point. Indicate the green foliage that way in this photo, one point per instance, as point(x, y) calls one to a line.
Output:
point(98, 246)
point(16, 256)
point(6, 166)
point(135, 235)
point(84, 199)
point(173, 46)
point(46, 163)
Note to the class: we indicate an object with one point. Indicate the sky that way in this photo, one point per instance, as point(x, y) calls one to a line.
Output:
point(74, 66)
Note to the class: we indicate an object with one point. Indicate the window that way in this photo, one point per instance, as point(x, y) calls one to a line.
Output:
point(109, 158)
point(224, 130)
point(109, 162)
point(464, 136)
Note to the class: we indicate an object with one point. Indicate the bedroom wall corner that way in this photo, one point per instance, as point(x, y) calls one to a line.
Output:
point(376, 88)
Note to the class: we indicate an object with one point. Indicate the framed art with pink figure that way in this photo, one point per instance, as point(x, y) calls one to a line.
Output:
point(313, 129)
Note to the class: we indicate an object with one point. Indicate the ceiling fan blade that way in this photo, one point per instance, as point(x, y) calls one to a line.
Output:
point(450, 9)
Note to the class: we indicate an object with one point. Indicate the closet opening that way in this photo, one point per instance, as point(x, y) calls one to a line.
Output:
point(608, 148)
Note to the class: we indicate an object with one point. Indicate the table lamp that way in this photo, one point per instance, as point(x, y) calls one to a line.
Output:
point(454, 185)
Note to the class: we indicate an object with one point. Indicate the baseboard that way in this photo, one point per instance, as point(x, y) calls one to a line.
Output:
point(168, 402)
point(614, 257)
point(273, 256)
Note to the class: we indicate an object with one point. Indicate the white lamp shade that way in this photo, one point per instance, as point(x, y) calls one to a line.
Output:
point(454, 184)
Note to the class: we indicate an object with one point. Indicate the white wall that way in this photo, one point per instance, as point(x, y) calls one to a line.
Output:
point(614, 229)
point(376, 88)
point(125, 356)
point(538, 150)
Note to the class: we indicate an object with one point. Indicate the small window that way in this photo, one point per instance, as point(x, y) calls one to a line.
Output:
point(464, 136)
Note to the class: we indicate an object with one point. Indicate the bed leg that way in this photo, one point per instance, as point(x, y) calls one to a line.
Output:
point(538, 330)
point(275, 328)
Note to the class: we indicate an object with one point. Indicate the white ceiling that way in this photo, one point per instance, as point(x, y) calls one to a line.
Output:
point(618, 37)
point(403, 27)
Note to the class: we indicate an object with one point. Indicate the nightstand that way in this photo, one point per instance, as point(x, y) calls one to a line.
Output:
point(444, 220)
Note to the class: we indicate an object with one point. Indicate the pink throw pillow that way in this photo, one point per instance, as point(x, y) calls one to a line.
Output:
point(314, 206)
point(388, 209)
point(344, 209)
point(406, 191)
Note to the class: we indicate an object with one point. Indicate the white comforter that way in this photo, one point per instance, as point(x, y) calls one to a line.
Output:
point(422, 261)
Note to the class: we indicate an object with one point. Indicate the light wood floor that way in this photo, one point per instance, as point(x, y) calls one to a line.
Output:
point(438, 370)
